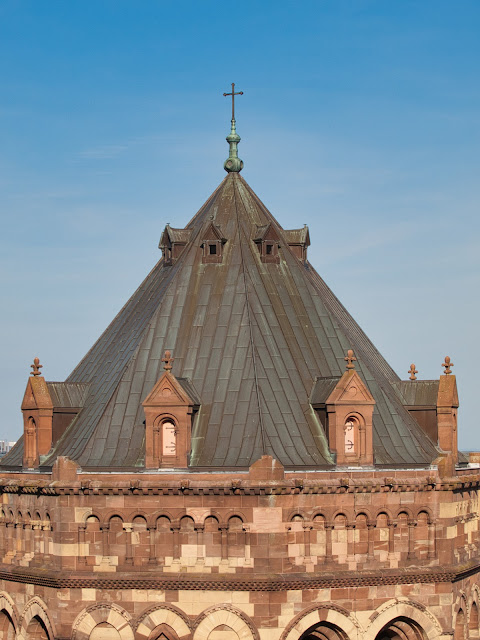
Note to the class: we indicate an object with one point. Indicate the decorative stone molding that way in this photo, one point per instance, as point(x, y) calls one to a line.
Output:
point(111, 613)
point(402, 607)
point(315, 615)
point(8, 605)
point(162, 614)
point(227, 615)
point(35, 608)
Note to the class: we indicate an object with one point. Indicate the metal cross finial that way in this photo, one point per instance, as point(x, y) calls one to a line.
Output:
point(412, 371)
point(167, 359)
point(36, 366)
point(350, 359)
point(233, 94)
point(447, 364)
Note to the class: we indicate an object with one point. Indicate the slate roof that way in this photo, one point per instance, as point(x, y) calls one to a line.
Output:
point(251, 338)
point(418, 392)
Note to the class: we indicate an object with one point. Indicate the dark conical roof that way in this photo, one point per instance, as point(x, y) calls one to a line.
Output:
point(254, 339)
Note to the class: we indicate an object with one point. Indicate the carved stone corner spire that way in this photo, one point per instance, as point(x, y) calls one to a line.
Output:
point(36, 366)
point(447, 364)
point(168, 360)
point(350, 359)
point(412, 371)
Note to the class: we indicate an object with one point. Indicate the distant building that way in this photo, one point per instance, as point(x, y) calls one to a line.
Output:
point(234, 460)
point(5, 446)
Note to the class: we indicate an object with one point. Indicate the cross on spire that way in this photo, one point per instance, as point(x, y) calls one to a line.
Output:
point(350, 359)
point(447, 364)
point(233, 94)
point(412, 371)
point(36, 366)
point(167, 359)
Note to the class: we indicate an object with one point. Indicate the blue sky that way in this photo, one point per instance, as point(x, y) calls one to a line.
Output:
point(359, 118)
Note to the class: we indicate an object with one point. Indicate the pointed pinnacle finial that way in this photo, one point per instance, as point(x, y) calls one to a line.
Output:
point(36, 366)
point(412, 371)
point(167, 359)
point(233, 164)
point(350, 359)
point(447, 364)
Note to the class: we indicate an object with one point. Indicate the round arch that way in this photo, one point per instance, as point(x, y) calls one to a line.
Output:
point(157, 616)
point(8, 617)
point(36, 608)
point(101, 613)
point(404, 610)
point(328, 615)
point(225, 616)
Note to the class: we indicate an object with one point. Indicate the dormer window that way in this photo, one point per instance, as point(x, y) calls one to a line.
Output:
point(172, 243)
point(298, 240)
point(267, 241)
point(212, 245)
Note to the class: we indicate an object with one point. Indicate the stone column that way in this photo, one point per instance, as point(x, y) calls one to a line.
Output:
point(224, 537)
point(200, 556)
point(128, 544)
point(432, 551)
point(391, 537)
point(82, 558)
point(306, 539)
point(371, 540)
point(411, 539)
point(328, 541)
point(28, 528)
point(46, 536)
point(152, 553)
point(350, 527)
point(246, 529)
point(104, 529)
point(176, 543)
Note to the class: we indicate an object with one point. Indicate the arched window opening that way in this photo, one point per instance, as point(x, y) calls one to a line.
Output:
point(236, 537)
point(460, 626)
point(421, 536)
point(37, 630)
point(117, 541)
point(163, 632)
point(319, 539)
point(163, 542)
point(93, 540)
point(324, 631)
point(7, 630)
point(473, 629)
point(140, 540)
point(169, 438)
point(401, 536)
point(402, 628)
point(351, 435)
point(382, 543)
point(213, 541)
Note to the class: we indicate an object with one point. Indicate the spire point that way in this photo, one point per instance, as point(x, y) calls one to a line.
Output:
point(233, 164)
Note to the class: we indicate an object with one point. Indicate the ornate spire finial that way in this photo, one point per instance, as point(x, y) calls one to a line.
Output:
point(36, 366)
point(350, 359)
point(233, 164)
point(167, 359)
point(447, 364)
point(412, 371)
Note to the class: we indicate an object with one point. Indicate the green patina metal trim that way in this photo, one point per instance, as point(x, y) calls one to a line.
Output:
point(233, 162)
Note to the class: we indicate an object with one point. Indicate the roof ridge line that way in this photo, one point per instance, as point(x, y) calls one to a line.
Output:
point(252, 342)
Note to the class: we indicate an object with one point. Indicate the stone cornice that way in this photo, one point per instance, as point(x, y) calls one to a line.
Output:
point(280, 582)
point(188, 487)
